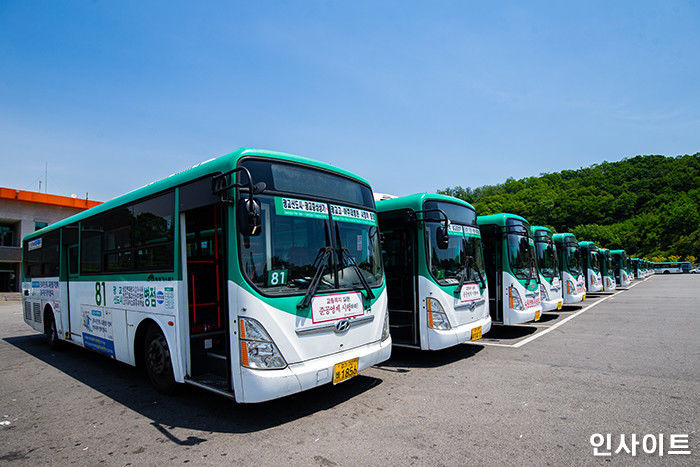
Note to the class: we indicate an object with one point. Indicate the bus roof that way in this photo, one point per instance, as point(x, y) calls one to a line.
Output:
point(499, 219)
point(540, 227)
point(588, 245)
point(218, 164)
point(415, 202)
point(618, 252)
point(560, 237)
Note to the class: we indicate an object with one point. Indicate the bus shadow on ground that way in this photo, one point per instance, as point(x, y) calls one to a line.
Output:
point(192, 408)
point(569, 308)
point(404, 358)
point(546, 317)
point(509, 333)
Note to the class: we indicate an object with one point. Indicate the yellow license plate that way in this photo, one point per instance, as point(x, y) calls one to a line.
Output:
point(476, 333)
point(559, 306)
point(537, 315)
point(345, 370)
point(584, 298)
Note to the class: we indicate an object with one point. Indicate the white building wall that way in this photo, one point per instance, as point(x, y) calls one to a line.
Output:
point(25, 214)
point(28, 213)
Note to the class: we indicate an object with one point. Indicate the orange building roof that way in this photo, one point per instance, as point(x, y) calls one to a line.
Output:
point(45, 198)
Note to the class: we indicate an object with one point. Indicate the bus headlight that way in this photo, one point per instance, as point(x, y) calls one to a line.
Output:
point(570, 288)
point(543, 292)
point(385, 327)
point(437, 319)
point(515, 301)
point(257, 349)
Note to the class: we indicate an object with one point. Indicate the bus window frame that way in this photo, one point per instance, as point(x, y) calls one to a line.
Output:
point(239, 192)
point(129, 272)
point(427, 239)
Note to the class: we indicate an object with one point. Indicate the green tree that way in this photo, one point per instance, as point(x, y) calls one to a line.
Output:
point(646, 205)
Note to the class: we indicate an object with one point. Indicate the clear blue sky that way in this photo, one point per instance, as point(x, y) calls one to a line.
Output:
point(412, 96)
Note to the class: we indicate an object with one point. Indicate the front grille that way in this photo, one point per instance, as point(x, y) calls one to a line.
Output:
point(36, 307)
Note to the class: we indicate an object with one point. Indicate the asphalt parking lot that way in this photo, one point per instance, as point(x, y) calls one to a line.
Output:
point(533, 394)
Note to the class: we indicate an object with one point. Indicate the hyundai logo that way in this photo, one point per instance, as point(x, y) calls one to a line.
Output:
point(341, 326)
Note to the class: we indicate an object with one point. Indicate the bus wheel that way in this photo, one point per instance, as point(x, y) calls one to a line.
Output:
point(157, 361)
point(50, 331)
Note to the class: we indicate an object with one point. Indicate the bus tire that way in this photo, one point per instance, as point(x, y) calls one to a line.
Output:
point(157, 361)
point(50, 331)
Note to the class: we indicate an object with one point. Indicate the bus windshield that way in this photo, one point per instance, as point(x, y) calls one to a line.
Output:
point(573, 257)
point(547, 258)
point(520, 256)
point(593, 261)
point(296, 235)
point(463, 258)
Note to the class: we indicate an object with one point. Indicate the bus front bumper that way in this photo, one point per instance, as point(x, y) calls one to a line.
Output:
point(264, 385)
point(570, 299)
point(441, 339)
point(552, 305)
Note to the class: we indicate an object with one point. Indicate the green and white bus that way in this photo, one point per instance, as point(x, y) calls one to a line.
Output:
point(573, 282)
point(514, 292)
point(547, 268)
point(607, 271)
point(637, 268)
point(621, 266)
point(434, 265)
point(255, 275)
point(672, 267)
point(590, 261)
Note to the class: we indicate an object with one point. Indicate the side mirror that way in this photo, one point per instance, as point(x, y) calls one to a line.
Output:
point(249, 217)
point(442, 238)
point(259, 187)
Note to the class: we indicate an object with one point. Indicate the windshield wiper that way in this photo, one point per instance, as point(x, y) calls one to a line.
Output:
point(465, 272)
point(529, 275)
point(345, 255)
point(320, 264)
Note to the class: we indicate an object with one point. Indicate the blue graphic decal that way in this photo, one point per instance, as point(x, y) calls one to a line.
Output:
point(99, 344)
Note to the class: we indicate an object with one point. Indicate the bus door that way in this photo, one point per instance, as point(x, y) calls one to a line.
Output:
point(204, 272)
point(69, 245)
point(72, 276)
point(400, 267)
point(492, 242)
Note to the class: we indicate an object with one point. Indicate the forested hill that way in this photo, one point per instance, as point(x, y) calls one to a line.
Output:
point(647, 205)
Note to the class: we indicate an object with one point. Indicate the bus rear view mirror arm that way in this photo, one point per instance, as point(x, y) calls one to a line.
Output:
point(441, 236)
point(249, 212)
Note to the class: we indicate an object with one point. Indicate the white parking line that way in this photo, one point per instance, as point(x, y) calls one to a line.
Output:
point(554, 326)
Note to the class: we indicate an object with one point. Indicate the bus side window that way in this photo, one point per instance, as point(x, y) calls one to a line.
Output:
point(91, 245)
point(32, 261)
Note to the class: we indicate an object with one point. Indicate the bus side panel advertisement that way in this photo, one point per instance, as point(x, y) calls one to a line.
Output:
point(97, 330)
